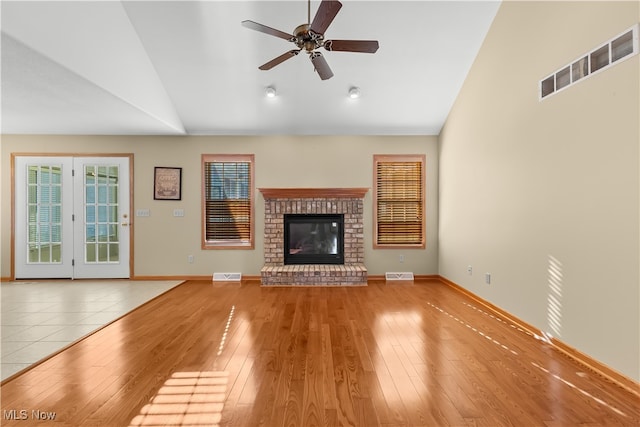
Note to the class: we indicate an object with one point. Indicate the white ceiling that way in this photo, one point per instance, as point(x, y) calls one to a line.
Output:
point(189, 67)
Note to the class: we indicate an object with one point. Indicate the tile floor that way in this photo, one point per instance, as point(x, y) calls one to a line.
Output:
point(41, 317)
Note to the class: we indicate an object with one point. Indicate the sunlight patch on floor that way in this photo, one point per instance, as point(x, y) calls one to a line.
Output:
point(186, 399)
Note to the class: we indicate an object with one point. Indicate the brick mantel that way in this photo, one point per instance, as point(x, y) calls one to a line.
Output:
point(313, 193)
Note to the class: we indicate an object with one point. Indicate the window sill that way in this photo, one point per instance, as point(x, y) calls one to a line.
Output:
point(400, 246)
point(228, 245)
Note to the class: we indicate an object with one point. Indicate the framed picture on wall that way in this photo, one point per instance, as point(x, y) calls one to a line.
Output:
point(167, 183)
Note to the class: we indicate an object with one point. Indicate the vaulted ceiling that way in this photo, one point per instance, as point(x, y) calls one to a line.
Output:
point(189, 67)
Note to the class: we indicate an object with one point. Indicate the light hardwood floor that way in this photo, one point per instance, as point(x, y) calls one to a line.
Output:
point(418, 354)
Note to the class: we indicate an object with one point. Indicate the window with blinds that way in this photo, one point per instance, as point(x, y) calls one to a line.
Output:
point(227, 201)
point(399, 201)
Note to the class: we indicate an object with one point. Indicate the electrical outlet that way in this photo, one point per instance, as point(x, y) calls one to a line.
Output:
point(487, 278)
point(401, 258)
point(469, 270)
point(190, 259)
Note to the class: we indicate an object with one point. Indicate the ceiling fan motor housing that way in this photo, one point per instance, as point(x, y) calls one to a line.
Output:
point(306, 38)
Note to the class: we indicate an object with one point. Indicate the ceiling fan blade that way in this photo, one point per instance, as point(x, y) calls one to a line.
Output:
point(321, 66)
point(279, 60)
point(327, 10)
point(267, 30)
point(364, 46)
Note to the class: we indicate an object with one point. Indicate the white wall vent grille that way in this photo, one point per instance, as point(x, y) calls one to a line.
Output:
point(621, 47)
point(227, 277)
point(398, 276)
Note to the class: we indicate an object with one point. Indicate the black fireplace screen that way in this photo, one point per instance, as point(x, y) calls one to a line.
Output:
point(314, 239)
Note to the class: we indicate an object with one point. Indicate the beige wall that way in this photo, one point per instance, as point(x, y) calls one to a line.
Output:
point(545, 195)
point(163, 242)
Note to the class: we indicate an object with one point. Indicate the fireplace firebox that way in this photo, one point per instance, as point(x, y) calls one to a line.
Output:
point(314, 239)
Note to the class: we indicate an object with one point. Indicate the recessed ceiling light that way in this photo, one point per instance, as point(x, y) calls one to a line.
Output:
point(354, 92)
point(270, 91)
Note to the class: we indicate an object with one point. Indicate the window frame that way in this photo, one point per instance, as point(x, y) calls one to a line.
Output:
point(228, 243)
point(410, 158)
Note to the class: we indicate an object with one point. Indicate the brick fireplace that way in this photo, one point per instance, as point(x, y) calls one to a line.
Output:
point(281, 201)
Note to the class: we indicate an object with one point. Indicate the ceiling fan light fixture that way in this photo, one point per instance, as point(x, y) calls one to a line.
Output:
point(354, 92)
point(270, 92)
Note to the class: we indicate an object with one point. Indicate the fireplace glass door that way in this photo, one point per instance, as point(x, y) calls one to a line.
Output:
point(314, 239)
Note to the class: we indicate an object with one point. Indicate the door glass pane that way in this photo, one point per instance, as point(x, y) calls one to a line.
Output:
point(90, 252)
point(45, 175)
point(32, 175)
point(103, 254)
point(44, 214)
point(101, 214)
point(56, 177)
point(113, 192)
point(34, 254)
point(90, 231)
point(32, 191)
point(56, 254)
point(56, 194)
point(113, 233)
point(102, 175)
point(90, 211)
point(102, 232)
point(113, 251)
point(45, 234)
point(56, 233)
point(45, 252)
point(102, 193)
point(33, 232)
point(91, 194)
point(90, 175)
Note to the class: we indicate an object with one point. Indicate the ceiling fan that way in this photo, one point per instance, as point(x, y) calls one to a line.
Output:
point(310, 37)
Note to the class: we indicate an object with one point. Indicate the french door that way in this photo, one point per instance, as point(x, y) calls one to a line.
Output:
point(72, 217)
